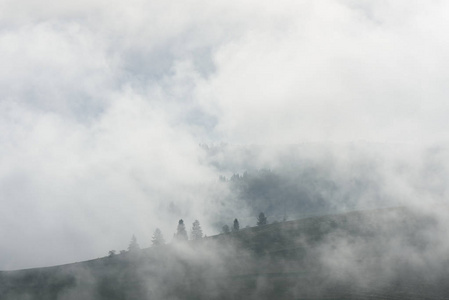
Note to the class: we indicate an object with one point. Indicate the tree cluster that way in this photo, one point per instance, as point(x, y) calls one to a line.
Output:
point(235, 227)
point(181, 234)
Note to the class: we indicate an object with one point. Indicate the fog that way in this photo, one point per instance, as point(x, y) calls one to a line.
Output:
point(117, 118)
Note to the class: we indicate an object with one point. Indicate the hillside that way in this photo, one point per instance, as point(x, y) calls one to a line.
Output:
point(394, 253)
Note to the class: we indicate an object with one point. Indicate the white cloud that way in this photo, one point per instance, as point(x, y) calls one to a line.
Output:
point(335, 75)
point(103, 103)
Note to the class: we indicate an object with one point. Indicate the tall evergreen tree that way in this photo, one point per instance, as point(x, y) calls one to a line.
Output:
point(236, 226)
point(133, 245)
point(262, 220)
point(197, 232)
point(158, 238)
point(181, 233)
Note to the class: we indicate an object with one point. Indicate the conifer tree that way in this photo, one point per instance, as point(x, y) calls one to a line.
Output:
point(158, 238)
point(236, 226)
point(262, 220)
point(197, 232)
point(133, 245)
point(181, 233)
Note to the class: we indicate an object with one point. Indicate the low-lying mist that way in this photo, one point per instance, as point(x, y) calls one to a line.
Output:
point(382, 254)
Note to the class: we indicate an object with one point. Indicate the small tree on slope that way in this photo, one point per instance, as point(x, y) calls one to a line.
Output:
point(225, 229)
point(158, 238)
point(236, 225)
point(262, 220)
point(133, 245)
point(181, 233)
point(197, 232)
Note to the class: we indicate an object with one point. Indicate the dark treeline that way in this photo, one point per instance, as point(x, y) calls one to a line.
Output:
point(181, 234)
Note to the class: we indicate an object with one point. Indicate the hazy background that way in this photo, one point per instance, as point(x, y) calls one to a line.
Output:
point(104, 105)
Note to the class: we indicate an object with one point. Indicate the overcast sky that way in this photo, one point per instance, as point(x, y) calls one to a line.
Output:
point(103, 104)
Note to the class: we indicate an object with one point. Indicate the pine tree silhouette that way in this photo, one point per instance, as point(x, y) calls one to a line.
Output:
point(236, 226)
point(181, 233)
point(158, 238)
point(197, 232)
point(262, 220)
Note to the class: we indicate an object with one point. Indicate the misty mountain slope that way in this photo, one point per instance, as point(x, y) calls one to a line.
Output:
point(103, 107)
point(297, 181)
point(393, 253)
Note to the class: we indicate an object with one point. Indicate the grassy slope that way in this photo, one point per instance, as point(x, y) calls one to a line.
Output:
point(288, 260)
